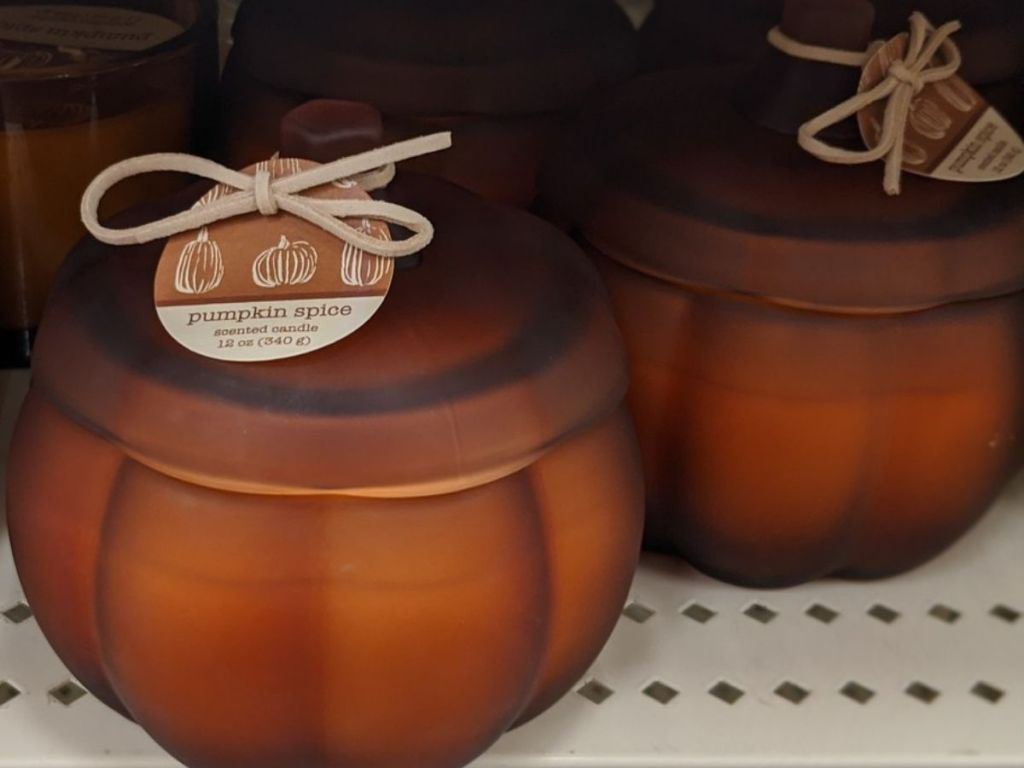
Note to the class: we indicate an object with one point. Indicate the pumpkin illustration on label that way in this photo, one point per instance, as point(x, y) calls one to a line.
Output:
point(929, 120)
point(359, 268)
point(287, 263)
point(957, 94)
point(200, 266)
point(914, 154)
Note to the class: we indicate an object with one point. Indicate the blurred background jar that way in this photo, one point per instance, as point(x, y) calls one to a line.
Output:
point(501, 75)
point(82, 86)
point(826, 380)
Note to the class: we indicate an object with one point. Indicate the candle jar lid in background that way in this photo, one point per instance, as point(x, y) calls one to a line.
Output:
point(386, 551)
point(119, 84)
point(499, 74)
point(826, 379)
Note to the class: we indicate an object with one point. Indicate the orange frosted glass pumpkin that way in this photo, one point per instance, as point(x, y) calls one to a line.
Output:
point(825, 379)
point(500, 75)
point(385, 552)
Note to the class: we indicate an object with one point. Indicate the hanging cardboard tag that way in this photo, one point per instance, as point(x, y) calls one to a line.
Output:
point(255, 288)
point(952, 134)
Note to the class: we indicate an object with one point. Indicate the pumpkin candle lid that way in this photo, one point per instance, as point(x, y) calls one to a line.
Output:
point(445, 57)
point(693, 178)
point(490, 348)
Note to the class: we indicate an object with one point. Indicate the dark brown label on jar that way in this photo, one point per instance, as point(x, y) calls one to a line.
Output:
point(256, 288)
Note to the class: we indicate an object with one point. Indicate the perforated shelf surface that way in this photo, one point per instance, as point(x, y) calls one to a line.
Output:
point(922, 670)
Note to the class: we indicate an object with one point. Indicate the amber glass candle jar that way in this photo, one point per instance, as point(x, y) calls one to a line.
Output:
point(500, 75)
point(826, 379)
point(68, 111)
point(385, 552)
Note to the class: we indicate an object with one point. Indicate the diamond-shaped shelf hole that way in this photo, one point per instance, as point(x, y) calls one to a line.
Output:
point(792, 692)
point(595, 691)
point(17, 613)
point(1006, 613)
point(822, 613)
point(727, 692)
point(988, 692)
point(857, 692)
point(661, 692)
point(8, 692)
point(944, 613)
point(760, 612)
point(699, 613)
point(883, 613)
point(67, 693)
point(637, 612)
point(922, 692)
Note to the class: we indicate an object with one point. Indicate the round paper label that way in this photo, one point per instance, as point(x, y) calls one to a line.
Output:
point(256, 288)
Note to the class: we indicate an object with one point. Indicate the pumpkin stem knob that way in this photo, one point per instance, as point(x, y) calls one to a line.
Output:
point(284, 242)
point(326, 129)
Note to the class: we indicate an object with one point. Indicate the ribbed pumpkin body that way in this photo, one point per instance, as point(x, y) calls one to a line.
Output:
point(783, 445)
point(261, 630)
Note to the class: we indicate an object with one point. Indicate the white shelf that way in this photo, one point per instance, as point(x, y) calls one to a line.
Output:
point(982, 574)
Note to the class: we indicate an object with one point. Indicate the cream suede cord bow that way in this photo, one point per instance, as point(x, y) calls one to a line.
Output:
point(903, 81)
point(260, 193)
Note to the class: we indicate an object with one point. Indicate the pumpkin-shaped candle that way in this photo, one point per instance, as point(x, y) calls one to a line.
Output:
point(384, 552)
point(826, 379)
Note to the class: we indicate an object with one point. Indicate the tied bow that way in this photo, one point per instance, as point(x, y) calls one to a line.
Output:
point(262, 194)
point(903, 81)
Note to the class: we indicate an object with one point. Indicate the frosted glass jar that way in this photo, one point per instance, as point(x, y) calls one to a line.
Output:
point(825, 380)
